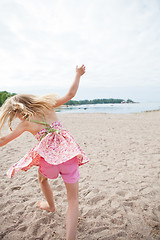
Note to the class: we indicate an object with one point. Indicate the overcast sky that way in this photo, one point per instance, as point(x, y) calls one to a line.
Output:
point(41, 41)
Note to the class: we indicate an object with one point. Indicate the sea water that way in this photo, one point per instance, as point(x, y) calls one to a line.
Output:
point(111, 108)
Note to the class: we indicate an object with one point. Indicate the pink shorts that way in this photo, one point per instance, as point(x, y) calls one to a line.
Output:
point(68, 170)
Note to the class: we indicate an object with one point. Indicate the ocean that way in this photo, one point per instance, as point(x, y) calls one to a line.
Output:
point(111, 108)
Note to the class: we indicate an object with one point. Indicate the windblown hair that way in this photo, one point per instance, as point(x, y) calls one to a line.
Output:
point(26, 105)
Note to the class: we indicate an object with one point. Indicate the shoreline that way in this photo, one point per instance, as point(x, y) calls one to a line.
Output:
point(111, 108)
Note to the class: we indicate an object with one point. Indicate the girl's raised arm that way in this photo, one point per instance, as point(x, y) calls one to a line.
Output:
point(73, 89)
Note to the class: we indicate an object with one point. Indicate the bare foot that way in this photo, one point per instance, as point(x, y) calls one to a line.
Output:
point(45, 206)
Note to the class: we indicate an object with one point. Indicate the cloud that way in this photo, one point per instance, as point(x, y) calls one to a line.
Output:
point(42, 41)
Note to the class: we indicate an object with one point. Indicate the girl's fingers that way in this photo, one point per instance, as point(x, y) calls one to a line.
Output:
point(82, 67)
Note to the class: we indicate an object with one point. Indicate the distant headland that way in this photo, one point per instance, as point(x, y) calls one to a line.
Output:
point(98, 101)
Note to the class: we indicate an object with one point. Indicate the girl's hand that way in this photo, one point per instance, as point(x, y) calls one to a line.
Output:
point(80, 70)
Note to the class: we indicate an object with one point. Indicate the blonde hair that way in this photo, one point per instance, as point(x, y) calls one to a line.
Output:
point(27, 105)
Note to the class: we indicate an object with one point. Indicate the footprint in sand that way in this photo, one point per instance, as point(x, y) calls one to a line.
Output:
point(22, 228)
point(121, 193)
point(114, 203)
point(147, 191)
point(15, 188)
point(95, 200)
point(97, 230)
point(128, 204)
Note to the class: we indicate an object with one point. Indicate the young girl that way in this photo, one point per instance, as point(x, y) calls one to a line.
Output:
point(56, 151)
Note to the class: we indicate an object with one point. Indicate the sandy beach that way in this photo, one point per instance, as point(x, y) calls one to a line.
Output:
point(119, 189)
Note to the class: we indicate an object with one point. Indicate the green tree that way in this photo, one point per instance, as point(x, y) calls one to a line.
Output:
point(4, 95)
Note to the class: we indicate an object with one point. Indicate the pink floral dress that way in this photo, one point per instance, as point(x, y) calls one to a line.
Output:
point(55, 146)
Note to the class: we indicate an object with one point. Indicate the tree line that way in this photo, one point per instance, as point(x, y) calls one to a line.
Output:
point(4, 95)
point(98, 101)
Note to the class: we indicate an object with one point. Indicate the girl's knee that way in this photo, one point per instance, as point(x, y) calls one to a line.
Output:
point(41, 178)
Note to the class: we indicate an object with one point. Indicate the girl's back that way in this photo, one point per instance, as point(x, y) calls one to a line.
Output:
point(33, 127)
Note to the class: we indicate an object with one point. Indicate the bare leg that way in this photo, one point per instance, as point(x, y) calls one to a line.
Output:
point(72, 211)
point(47, 191)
